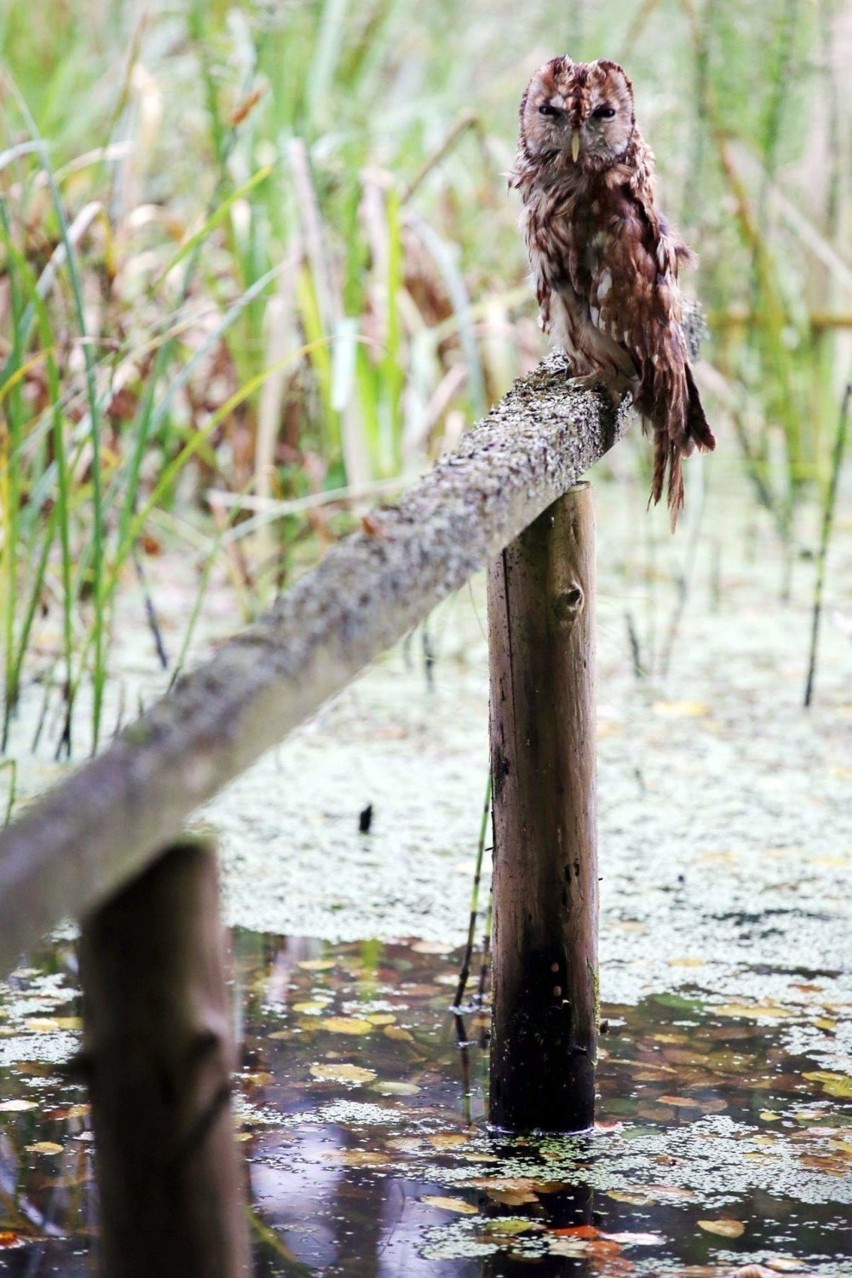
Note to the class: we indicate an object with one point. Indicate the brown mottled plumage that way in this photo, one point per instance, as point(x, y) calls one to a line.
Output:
point(605, 260)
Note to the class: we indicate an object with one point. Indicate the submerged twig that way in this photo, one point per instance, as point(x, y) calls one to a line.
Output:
point(825, 536)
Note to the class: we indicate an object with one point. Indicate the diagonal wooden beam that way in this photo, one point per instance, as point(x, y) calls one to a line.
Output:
point(85, 838)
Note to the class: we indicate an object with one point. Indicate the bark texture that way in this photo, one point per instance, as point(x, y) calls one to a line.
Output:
point(158, 1053)
point(541, 602)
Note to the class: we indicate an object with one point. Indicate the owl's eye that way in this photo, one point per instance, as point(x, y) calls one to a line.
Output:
point(547, 109)
point(603, 113)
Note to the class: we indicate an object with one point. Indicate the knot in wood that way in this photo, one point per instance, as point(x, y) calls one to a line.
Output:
point(570, 603)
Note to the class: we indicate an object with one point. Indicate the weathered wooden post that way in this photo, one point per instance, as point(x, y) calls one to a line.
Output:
point(541, 603)
point(158, 1053)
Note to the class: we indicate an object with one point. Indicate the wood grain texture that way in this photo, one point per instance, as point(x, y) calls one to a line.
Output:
point(158, 1054)
point(541, 603)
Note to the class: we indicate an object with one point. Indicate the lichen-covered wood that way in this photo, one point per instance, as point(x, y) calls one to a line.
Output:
point(541, 604)
point(80, 842)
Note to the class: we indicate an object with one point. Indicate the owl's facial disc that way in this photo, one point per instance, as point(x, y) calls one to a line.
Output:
point(581, 112)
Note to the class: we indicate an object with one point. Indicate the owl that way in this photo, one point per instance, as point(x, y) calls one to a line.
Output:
point(604, 259)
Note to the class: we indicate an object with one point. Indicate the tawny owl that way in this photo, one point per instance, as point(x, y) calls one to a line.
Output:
point(605, 260)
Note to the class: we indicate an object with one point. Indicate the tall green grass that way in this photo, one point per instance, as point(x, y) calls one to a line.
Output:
point(268, 249)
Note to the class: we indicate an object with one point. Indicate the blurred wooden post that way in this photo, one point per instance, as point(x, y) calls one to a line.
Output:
point(158, 1054)
point(541, 603)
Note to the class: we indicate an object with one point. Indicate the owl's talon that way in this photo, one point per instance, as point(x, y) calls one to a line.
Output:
point(589, 382)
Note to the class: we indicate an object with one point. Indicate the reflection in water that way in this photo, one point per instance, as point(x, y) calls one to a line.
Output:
point(724, 1134)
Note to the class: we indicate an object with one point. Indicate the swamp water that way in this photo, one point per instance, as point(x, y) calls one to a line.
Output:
point(360, 1109)
point(725, 1126)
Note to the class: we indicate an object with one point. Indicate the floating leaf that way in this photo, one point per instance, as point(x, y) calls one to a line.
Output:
point(16, 1106)
point(577, 1231)
point(752, 1011)
point(510, 1226)
point(514, 1191)
point(8, 1240)
point(568, 1247)
point(381, 1018)
point(52, 1024)
point(785, 1265)
point(316, 965)
point(512, 1197)
point(724, 1227)
point(839, 1085)
point(392, 1088)
point(713, 1105)
point(346, 1025)
point(449, 1204)
point(398, 1034)
point(342, 1073)
point(448, 1140)
point(355, 1157)
point(312, 1007)
point(44, 1147)
point(634, 1197)
point(636, 1240)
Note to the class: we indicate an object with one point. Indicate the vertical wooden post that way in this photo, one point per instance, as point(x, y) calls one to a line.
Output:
point(541, 603)
point(158, 1053)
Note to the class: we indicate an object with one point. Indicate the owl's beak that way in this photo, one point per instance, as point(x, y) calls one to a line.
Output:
point(575, 145)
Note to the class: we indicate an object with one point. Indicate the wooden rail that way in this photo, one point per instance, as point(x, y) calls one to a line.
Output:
point(103, 846)
point(76, 846)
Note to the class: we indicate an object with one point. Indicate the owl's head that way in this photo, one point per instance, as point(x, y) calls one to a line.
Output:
point(580, 111)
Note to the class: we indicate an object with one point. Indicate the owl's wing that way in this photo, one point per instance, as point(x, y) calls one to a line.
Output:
point(632, 281)
point(634, 298)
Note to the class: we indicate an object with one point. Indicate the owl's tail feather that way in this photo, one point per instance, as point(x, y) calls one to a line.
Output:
point(667, 461)
point(697, 426)
point(679, 424)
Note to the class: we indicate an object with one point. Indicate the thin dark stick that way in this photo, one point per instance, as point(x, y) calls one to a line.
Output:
point(827, 522)
point(474, 900)
point(150, 611)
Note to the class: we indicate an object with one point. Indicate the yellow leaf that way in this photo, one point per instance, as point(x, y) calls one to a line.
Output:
point(16, 1106)
point(636, 1199)
point(52, 1024)
point(381, 1018)
point(680, 709)
point(355, 1157)
point(316, 965)
point(346, 1025)
point(724, 1227)
point(313, 1007)
point(769, 1116)
point(449, 1204)
point(45, 1147)
point(447, 1140)
point(391, 1088)
point(509, 1226)
point(839, 1085)
point(398, 1034)
point(751, 1011)
point(342, 1073)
